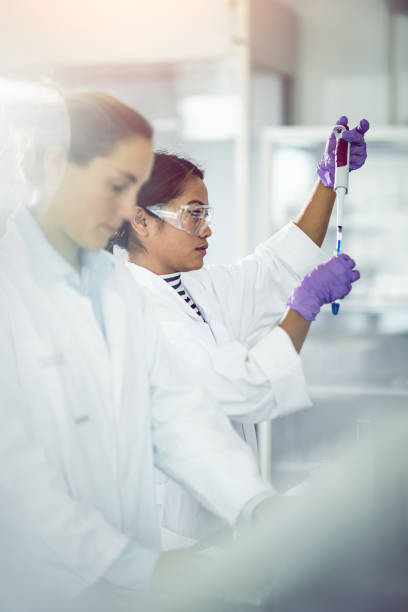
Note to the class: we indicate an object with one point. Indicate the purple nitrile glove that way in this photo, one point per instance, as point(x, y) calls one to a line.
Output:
point(358, 151)
point(328, 282)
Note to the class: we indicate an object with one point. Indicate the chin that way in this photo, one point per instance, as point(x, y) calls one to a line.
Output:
point(94, 243)
point(195, 263)
point(197, 266)
point(191, 266)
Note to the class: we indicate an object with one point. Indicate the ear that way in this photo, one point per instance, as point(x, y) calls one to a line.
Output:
point(139, 222)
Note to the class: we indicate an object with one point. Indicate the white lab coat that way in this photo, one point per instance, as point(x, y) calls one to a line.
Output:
point(251, 375)
point(81, 417)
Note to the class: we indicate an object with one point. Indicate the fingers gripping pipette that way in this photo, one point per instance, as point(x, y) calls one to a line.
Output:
point(341, 177)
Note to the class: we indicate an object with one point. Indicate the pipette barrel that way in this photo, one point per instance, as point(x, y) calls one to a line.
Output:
point(341, 177)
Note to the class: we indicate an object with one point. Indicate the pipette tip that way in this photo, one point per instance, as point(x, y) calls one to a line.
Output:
point(335, 308)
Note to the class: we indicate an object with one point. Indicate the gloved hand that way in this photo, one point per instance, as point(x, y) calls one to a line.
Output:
point(358, 151)
point(328, 282)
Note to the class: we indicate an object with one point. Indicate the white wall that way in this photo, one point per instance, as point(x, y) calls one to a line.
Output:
point(343, 61)
point(110, 31)
point(274, 36)
point(401, 64)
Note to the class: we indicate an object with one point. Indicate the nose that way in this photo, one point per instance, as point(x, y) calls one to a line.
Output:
point(206, 232)
point(126, 206)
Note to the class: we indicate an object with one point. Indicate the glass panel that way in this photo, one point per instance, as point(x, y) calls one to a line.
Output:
point(355, 363)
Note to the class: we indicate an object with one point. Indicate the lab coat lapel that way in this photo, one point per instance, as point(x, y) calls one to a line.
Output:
point(132, 396)
point(115, 323)
point(156, 285)
point(199, 300)
point(203, 300)
point(52, 368)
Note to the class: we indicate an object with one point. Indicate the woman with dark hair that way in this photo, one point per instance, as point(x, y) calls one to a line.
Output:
point(218, 318)
point(88, 391)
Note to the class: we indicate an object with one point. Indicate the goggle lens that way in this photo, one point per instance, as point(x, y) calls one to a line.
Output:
point(194, 219)
point(191, 218)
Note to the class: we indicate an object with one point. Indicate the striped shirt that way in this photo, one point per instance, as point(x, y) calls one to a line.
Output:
point(174, 280)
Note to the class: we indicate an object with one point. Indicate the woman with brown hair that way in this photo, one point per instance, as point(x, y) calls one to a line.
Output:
point(89, 395)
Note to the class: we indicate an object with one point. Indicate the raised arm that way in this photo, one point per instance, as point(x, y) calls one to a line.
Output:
point(251, 294)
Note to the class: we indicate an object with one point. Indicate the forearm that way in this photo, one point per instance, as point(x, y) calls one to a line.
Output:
point(296, 327)
point(314, 219)
point(277, 356)
point(196, 445)
point(249, 385)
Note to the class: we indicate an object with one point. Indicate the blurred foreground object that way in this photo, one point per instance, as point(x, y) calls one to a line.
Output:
point(342, 546)
point(32, 117)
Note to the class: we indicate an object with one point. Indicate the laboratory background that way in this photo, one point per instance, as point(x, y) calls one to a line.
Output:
point(250, 90)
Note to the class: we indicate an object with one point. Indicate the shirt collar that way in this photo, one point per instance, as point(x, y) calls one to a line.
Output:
point(173, 280)
point(48, 265)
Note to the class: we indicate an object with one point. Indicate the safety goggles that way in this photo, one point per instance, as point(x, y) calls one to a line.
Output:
point(191, 218)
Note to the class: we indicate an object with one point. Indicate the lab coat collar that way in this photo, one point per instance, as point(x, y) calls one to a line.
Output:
point(154, 282)
point(48, 266)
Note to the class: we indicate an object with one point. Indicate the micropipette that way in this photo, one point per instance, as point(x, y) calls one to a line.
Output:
point(340, 187)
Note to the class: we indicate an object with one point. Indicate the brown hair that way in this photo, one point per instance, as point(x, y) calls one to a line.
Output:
point(97, 123)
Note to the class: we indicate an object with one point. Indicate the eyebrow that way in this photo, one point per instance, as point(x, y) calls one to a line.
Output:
point(197, 202)
point(130, 177)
